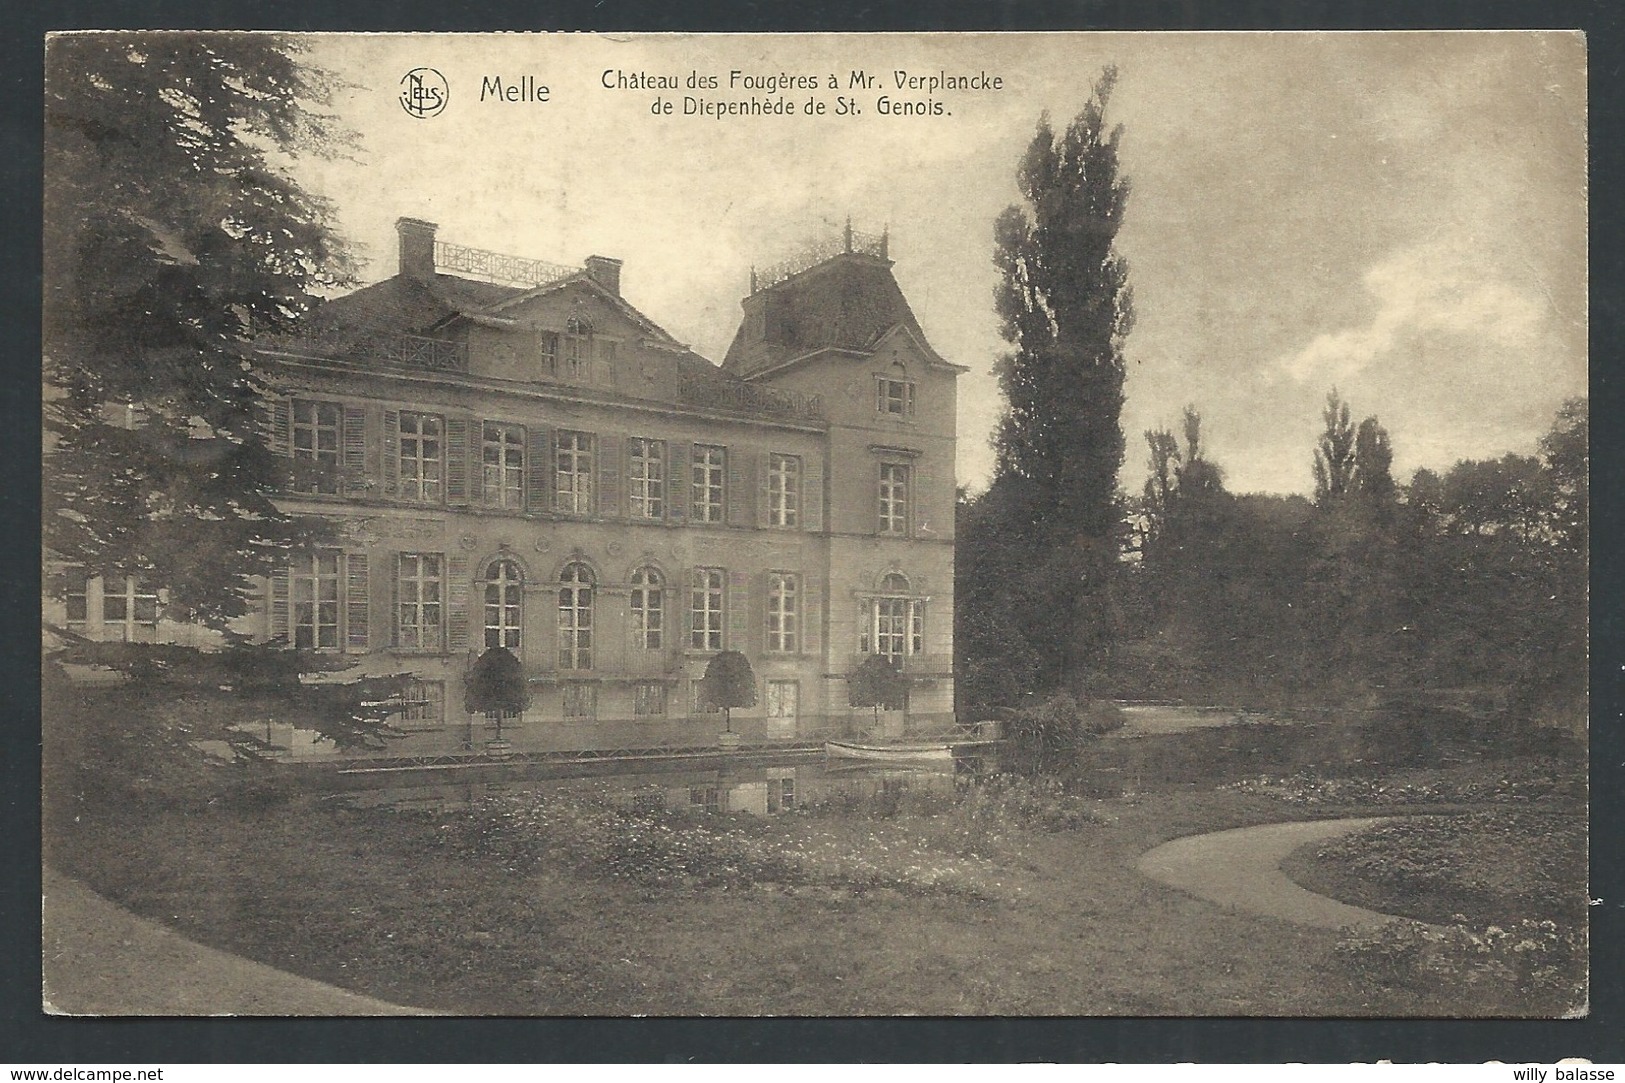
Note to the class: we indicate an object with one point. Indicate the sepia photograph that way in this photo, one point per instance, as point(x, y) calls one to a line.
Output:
point(815, 525)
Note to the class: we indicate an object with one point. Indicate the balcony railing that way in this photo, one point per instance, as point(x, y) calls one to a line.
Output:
point(500, 268)
point(751, 398)
point(850, 241)
point(918, 666)
point(408, 351)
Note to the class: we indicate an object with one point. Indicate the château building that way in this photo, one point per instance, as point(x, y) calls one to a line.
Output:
point(517, 457)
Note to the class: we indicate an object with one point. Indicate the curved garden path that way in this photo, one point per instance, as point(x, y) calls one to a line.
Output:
point(1241, 868)
point(100, 959)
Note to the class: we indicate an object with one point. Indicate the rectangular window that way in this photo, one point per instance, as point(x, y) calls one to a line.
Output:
point(893, 627)
point(649, 699)
point(422, 453)
point(705, 609)
point(129, 610)
point(647, 459)
point(502, 460)
point(709, 467)
point(423, 704)
point(316, 445)
point(313, 586)
point(572, 453)
point(76, 598)
point(894, 397)
point(782, 699)
point(783, 612)
point(781, 794)
point(707, 797)
point(420, 601)
point(893, 498)
point(547, 350)
point(580, 701)
point(784, 490)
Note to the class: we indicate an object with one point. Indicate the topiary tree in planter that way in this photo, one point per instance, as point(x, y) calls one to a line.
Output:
point(729, 682)
point(877, 683)
point(496, 682)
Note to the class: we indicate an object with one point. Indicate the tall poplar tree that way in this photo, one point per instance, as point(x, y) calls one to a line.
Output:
point(173, 237)
point(1065, 305)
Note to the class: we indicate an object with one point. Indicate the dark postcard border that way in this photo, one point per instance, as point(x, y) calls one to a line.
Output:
point(27, 1035)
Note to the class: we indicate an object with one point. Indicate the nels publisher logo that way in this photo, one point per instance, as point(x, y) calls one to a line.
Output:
point(424, 92)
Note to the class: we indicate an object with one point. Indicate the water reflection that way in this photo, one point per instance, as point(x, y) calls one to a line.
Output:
point(757, 791)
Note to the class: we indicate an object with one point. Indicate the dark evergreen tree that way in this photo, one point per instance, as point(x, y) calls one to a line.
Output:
point(172, 238)
point(1064, 302)
point(877, 683)
point(496, 685)
point(729, 682)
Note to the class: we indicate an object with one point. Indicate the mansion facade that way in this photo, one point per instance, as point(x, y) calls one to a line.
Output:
point(532, 463)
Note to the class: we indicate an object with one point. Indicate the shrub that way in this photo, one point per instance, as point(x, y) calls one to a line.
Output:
point(1046, 739)
point(525, 833)
point(1535, 968)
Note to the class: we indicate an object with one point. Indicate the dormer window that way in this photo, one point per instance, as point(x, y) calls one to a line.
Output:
point(547, 351)
point(577, 346)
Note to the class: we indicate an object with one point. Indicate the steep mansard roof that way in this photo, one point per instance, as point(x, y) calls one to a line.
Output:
point(848, 302)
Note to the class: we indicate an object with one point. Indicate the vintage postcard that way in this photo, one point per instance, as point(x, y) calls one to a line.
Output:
point(1077, 524)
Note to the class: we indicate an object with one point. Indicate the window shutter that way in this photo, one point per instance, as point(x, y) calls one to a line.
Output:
point(741, 487)
point(539, 470)
point(476, 460)
point(392, 452)
point(456, 460)
point(812, 491)
point(611, 479)
point(919, 483)
point(393, 623)
point(358, 603)
point(812, 614)
point(764, 490)
point(279, 414)
point(354, 444)
point(679, 478)
point(685, 602)
point(279, 604)
point(457, 603)
point(757, 629)
point(736, 619)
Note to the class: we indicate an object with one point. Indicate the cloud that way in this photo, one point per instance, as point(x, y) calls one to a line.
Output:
point(1435, 287)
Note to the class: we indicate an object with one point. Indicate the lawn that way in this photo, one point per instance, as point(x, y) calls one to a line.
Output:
point(568, 908)
point(1004, 899)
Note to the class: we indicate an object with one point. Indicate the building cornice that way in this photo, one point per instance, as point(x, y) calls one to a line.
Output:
point(477, 384)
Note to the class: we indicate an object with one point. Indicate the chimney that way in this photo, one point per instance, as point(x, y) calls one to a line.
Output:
point(416, 248)
point(606, 272)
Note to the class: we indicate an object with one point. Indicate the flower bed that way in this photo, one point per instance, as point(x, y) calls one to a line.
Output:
point(1463, 785)
point(528, 832)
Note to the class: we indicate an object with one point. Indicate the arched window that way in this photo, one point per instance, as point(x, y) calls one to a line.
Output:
point(648, 609)
point(504, 586)
point(894, 626)
point(577, 345)
point(575, 617)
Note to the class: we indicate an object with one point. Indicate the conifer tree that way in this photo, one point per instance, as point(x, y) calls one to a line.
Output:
point(172, 238)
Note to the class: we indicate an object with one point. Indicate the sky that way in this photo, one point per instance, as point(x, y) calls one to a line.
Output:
point(1400, 216)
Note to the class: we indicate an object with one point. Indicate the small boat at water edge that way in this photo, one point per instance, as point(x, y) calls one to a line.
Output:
point(915, 752)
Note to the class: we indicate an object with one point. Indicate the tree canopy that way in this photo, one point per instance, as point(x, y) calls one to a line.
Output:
point(173, 237)
point(1035, 598)
point(729, 682)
